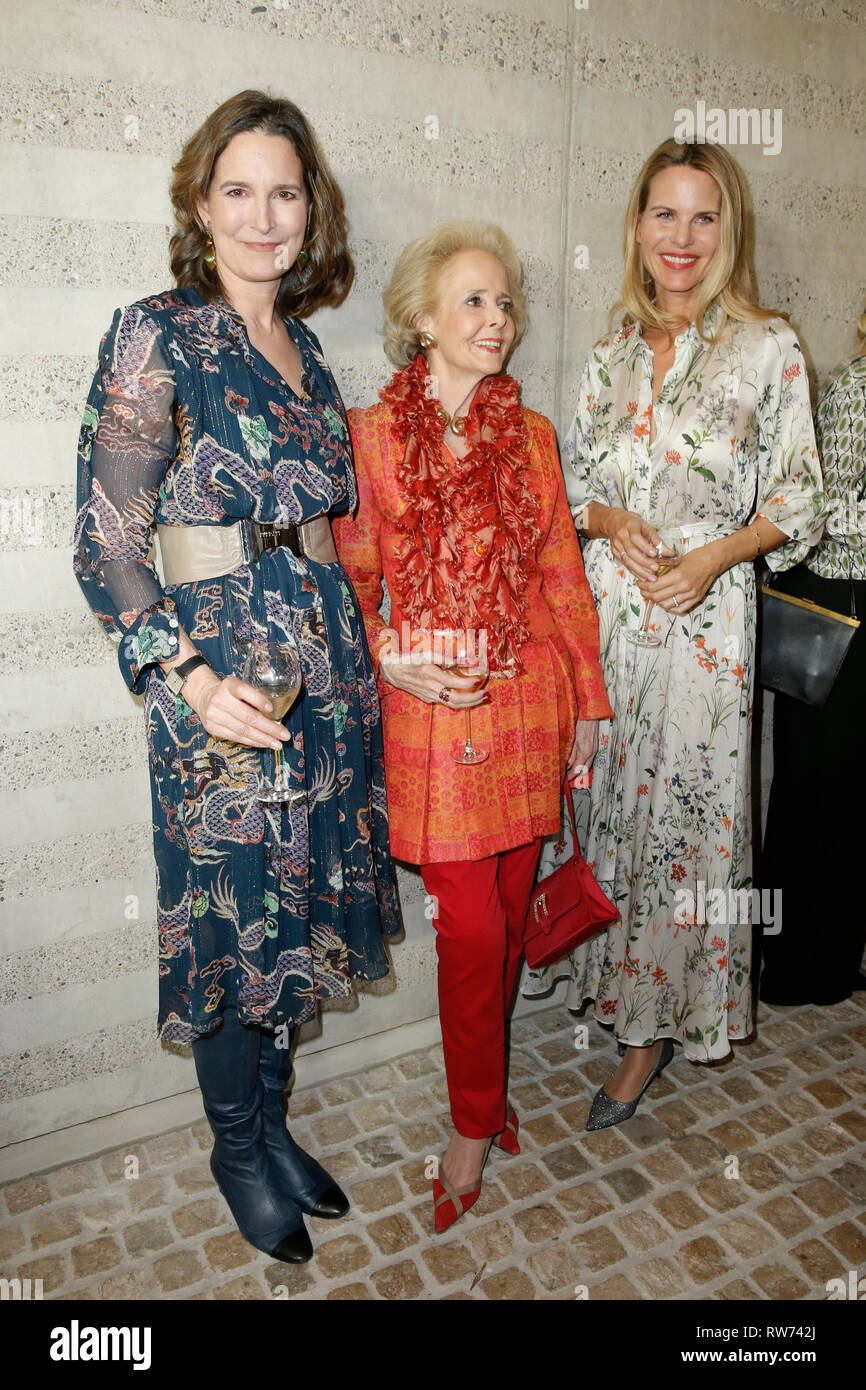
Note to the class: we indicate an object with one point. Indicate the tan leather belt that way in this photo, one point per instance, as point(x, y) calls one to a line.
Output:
point(190, 553)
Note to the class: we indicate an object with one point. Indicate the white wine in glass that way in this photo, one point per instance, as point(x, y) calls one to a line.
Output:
point(642, 636)
point(281, 698)
point(470, 661)
point(276, 670)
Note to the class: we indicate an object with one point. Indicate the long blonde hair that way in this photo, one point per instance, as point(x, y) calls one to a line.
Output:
point(728, 280)
point(414, 285)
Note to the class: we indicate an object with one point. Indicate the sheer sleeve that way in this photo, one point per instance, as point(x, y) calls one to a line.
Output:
point(126, 443)
point(790, 490)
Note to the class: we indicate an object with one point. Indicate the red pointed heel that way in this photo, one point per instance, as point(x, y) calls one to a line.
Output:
point(507, 1138)
point(450, 1203)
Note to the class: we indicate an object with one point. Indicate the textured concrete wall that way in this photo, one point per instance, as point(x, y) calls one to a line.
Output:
point(637, 62)
point(543, 114)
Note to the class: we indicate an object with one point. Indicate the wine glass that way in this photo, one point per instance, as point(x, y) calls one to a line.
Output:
point(642, 636)
point(276, 669)
point(468, 658)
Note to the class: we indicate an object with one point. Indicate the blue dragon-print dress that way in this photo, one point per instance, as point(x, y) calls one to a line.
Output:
point(263, 908)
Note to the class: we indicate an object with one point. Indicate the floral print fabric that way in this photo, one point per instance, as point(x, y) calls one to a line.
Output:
point(259, 907)
point(669, 834)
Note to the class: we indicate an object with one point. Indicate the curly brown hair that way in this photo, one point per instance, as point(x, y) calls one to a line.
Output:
point(328, 274)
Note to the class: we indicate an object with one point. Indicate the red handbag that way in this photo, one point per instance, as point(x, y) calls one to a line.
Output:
point(566, 909)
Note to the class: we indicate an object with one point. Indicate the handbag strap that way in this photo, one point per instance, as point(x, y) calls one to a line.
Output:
point(576, 854)
point(851, 579)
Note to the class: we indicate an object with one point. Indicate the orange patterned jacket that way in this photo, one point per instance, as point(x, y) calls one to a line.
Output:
point(439, 810)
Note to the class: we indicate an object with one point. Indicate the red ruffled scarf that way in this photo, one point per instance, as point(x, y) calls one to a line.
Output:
point(482, 500)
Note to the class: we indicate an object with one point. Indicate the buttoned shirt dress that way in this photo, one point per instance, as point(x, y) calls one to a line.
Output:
point(670, 823)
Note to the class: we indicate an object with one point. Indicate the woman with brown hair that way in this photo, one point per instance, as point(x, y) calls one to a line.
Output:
point(462, 509)
point(692, 443)
point(213, 416)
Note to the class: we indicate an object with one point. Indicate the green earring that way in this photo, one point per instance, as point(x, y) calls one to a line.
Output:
point(209, 255)
point(303, 257)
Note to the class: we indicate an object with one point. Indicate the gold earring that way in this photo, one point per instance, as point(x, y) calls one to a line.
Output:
point(209, 257)
point(427, 340)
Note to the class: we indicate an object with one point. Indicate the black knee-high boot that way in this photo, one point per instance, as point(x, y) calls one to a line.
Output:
point(300, 1175)
point(227, 1066)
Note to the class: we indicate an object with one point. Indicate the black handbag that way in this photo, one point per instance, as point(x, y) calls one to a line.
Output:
point(803, 645)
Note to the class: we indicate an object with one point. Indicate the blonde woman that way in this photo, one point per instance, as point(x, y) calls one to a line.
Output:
point(824, 749)
point(461, 507)
point(692, 440)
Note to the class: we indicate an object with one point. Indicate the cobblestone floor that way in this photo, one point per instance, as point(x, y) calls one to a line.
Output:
point(651, 1210)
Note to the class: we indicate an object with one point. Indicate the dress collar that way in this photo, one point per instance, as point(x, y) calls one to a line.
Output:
point(632, 333)
point(233, 320)
point(239, 332)
point(231, 315)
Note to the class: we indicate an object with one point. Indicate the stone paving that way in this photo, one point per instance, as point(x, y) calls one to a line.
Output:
point(744, 1180)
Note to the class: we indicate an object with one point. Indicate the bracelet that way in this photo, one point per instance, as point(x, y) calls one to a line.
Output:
point(757, 536)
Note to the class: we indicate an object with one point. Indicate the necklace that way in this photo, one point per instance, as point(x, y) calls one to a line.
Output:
point(457, 422)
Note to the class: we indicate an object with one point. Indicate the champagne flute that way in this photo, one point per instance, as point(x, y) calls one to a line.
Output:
point(642, 636)
point(276, 670)
point(469, 659)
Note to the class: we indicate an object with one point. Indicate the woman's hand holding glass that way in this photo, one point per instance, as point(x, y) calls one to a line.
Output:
point(275, 669)
point(685, 585)
point(232, 709)
point(634, 543)
point(427, 679)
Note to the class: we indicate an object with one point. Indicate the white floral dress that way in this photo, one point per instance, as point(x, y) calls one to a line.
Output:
point(669, 832)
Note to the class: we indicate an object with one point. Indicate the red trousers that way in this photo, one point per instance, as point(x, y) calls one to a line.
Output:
point(480, 919)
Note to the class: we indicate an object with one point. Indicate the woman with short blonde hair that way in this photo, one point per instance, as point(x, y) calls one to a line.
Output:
point(461, 507)
point(414, 283)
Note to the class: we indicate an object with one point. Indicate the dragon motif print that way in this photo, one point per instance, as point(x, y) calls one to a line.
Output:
point(267, 909)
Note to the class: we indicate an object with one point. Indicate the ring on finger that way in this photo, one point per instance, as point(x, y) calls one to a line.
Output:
point(444, 695)
point(676, 602)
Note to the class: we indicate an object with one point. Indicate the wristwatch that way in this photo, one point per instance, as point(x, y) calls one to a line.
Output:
point(175, 678)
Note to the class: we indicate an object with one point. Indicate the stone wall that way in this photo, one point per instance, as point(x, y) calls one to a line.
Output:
point(536, 114)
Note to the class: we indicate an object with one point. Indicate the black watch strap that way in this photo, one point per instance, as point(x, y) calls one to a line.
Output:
point(175, 678)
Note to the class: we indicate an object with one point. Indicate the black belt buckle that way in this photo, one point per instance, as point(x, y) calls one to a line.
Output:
point(266, 535)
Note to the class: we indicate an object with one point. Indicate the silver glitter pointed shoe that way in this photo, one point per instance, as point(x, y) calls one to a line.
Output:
point(605, 1111)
